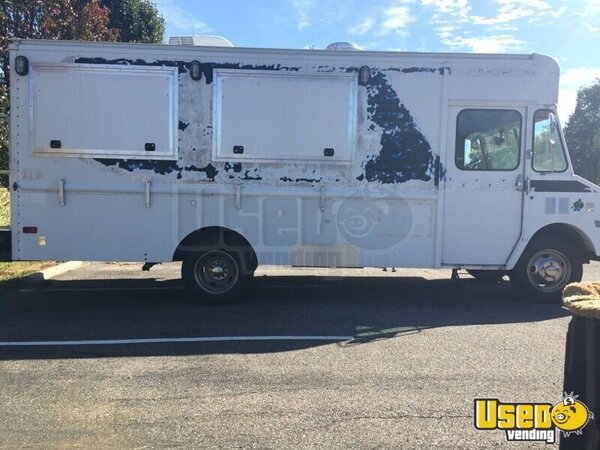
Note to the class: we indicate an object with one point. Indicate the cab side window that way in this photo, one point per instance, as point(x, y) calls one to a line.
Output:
point(548, 151)
point(488, 139)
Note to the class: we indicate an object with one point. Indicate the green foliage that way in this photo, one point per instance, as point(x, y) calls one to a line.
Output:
point(92, 20)
point(52, 19)
point(582, 133)
point(136, 20)
point(4, 207)
point(45, 19)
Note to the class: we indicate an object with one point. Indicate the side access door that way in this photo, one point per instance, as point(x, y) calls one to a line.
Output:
point(483, 185)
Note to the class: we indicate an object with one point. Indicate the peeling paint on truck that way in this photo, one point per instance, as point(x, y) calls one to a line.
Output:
point(405, 153)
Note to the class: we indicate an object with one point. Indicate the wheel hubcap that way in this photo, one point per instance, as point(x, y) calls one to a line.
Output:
point(549, 270)
point(216, 272)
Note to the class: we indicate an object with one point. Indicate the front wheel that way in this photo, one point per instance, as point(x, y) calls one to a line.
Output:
point(545, 268)
point(214, 276)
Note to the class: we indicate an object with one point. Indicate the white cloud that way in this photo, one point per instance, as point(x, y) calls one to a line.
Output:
point(495, 34)
point(399, 15)
point(487, 44)
point(180, 20)
point(512, 10)
point(570, 82)
point(455, 13)
point(316, 14)
point(445, 32)
point(589, 15)
point(397, 19)
point(558, 12)
point(447, 6)
point(303, 9)
point(362, 26)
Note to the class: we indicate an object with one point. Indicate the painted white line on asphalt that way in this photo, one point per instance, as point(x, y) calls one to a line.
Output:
point(173, 340)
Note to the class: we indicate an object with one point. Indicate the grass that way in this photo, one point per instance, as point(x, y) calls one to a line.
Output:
point(4, 207)
point(17, 269)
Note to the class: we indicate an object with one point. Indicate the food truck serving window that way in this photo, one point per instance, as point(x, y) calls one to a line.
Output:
point(107, 111)
point(273, 116)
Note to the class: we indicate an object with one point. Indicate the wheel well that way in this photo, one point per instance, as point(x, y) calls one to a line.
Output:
point(211, 237)
point(575, 236)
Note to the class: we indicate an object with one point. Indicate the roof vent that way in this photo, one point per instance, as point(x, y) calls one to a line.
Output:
point(346, 46)
point(201, 40)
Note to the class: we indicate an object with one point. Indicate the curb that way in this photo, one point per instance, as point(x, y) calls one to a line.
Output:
point(51, 272)
point(37, 278)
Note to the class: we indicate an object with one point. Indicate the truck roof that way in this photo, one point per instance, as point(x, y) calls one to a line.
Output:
point(15, 43)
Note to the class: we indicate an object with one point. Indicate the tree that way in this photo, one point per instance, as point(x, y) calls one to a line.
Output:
point(52, 19)
point(62, 19)
point(136, 20)
point(582, 133)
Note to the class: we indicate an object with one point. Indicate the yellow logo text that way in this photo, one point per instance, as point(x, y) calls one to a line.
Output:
point(521, 421)
point(532, 421)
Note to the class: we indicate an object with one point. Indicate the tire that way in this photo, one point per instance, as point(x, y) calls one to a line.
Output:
point(214, 276)
point(546, 266)
point(489, 276)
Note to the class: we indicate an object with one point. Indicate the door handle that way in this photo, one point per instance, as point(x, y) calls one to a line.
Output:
point(522, 184)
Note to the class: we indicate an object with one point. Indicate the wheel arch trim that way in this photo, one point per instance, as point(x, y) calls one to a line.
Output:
point(213, 236)
point(567, 231)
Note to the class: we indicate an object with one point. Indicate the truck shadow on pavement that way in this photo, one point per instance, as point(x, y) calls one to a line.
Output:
point(346, 311)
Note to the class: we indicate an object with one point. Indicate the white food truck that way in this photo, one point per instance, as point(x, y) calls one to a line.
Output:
point(225, 158)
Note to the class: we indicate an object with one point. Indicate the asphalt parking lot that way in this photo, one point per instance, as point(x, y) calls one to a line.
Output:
point(310, 359)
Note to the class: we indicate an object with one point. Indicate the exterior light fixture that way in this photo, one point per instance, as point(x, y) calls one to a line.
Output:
point(21, 65)
point(364, 75)
point(195, 71)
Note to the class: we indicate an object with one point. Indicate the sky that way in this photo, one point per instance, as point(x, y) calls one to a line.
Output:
point(568, 30)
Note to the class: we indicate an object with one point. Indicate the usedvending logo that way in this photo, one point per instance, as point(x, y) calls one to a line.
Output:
point(533, 421)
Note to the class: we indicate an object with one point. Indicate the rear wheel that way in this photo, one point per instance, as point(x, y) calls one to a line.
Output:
point(214, 276)
point(546, 266)
point(491, 276)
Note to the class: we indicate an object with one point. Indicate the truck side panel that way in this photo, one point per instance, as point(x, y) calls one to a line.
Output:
point(360, 190)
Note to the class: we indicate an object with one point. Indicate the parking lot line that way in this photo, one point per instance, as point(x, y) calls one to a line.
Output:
point(173, 340)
